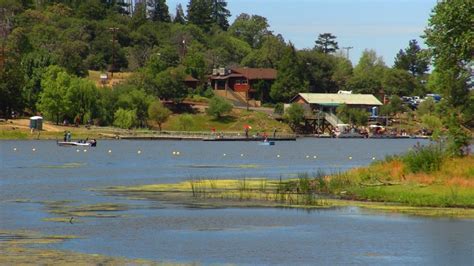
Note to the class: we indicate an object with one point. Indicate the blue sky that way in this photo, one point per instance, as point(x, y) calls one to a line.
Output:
point(383, 25)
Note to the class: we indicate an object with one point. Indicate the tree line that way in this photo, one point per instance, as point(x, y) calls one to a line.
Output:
point(45, 42)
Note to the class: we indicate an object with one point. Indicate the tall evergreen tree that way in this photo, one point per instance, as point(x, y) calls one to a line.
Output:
point(200, 13)
point(180, 17)
point(413, 59)
point(290, 78)
point(220, 13)
point(158, 10)
point(326, 43)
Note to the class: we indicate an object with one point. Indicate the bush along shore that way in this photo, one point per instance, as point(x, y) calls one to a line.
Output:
point(422, 182)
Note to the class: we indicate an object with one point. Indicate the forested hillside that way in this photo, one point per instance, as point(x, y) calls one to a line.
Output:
point(48, 47)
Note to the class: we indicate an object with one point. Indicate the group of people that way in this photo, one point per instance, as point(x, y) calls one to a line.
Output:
point(67, 136)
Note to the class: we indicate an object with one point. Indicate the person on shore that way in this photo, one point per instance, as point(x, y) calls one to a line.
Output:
point(65, 136)
point(68, 136)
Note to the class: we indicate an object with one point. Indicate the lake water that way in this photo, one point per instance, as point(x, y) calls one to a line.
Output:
point(174, 233)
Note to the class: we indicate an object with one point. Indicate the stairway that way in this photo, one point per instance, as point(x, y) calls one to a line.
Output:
point(332, 119)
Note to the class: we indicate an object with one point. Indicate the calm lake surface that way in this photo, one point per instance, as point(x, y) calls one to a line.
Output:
point(174, 233)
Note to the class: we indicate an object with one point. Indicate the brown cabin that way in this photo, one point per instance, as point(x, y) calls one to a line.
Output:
point(240, 80)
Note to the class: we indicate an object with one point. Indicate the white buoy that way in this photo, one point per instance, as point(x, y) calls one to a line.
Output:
point(350, 157)
point(315, 156)
point(139, 151)
point(77, 150)
point(224, 154)
point(241, 155)
point(110, 151)
point(278, 155)
point(174, 153)
point(14, 149)
point(85, 150)
point(177, 153)
point(373, 158)
point(307, 156)
point(33, 149)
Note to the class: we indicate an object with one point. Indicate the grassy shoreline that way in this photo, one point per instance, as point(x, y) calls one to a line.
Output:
point(383, 186)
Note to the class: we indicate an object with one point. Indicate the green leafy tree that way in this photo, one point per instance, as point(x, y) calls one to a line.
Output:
point(11, 81)
point(133, 98)
point(125, 118)
point(294, 115)
point(326, 43)
point(53, 101)
point(399, 82)
point(427, 107)
point(354, 116)
point(218, 107)
point(318, 70)
point(158, 113)
point(82, 97)
point(169, 85)
point(220, 13)
point(250, 28)
point(92, 9)
point(368, 73)
point(432, 123)
point(394, 106)
point(413, 59)
point(449, 36)
point(158, 10)
point(290, 79)
point(268, 55)
point(342, 72)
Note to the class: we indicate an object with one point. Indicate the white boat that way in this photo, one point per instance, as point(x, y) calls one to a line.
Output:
point(76, 143)
point(267, 143)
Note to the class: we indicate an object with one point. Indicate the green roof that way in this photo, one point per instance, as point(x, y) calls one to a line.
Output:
point(334, 99)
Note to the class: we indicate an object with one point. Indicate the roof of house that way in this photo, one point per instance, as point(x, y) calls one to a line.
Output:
point(331, 99)
point(190, 78)
point(256, 73)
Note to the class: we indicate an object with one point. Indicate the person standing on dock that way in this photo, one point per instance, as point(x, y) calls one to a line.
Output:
point(274, 132)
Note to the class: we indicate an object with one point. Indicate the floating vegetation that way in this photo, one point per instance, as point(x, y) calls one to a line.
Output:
point(63, 166)
point(93, 210)
point(245, 166)
point(15, 250)
point(64, 209)
point(305, 191)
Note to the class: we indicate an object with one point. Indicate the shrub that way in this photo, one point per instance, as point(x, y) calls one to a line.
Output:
point(294, 115)
point(185, 122)
point(218, 107)
point(424, 158)
point(279, 109)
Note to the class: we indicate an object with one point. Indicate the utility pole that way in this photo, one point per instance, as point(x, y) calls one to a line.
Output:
point(114, 39)
point(347, 50)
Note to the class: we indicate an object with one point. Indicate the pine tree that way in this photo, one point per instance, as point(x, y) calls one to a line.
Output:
point(220, 13)
point(200, 13)
point(412, 59)
point(326, 43)
point(179, 18)
point(158, 10)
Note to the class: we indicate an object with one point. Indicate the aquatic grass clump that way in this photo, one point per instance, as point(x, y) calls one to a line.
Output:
point(425, 159)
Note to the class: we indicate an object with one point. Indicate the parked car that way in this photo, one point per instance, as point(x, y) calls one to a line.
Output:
point(434, 96)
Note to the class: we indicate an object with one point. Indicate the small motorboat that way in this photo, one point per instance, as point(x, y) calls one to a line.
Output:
point(89, 143)
point(267, 143)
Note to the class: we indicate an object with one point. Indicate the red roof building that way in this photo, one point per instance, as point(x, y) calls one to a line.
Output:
point(241, 80)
